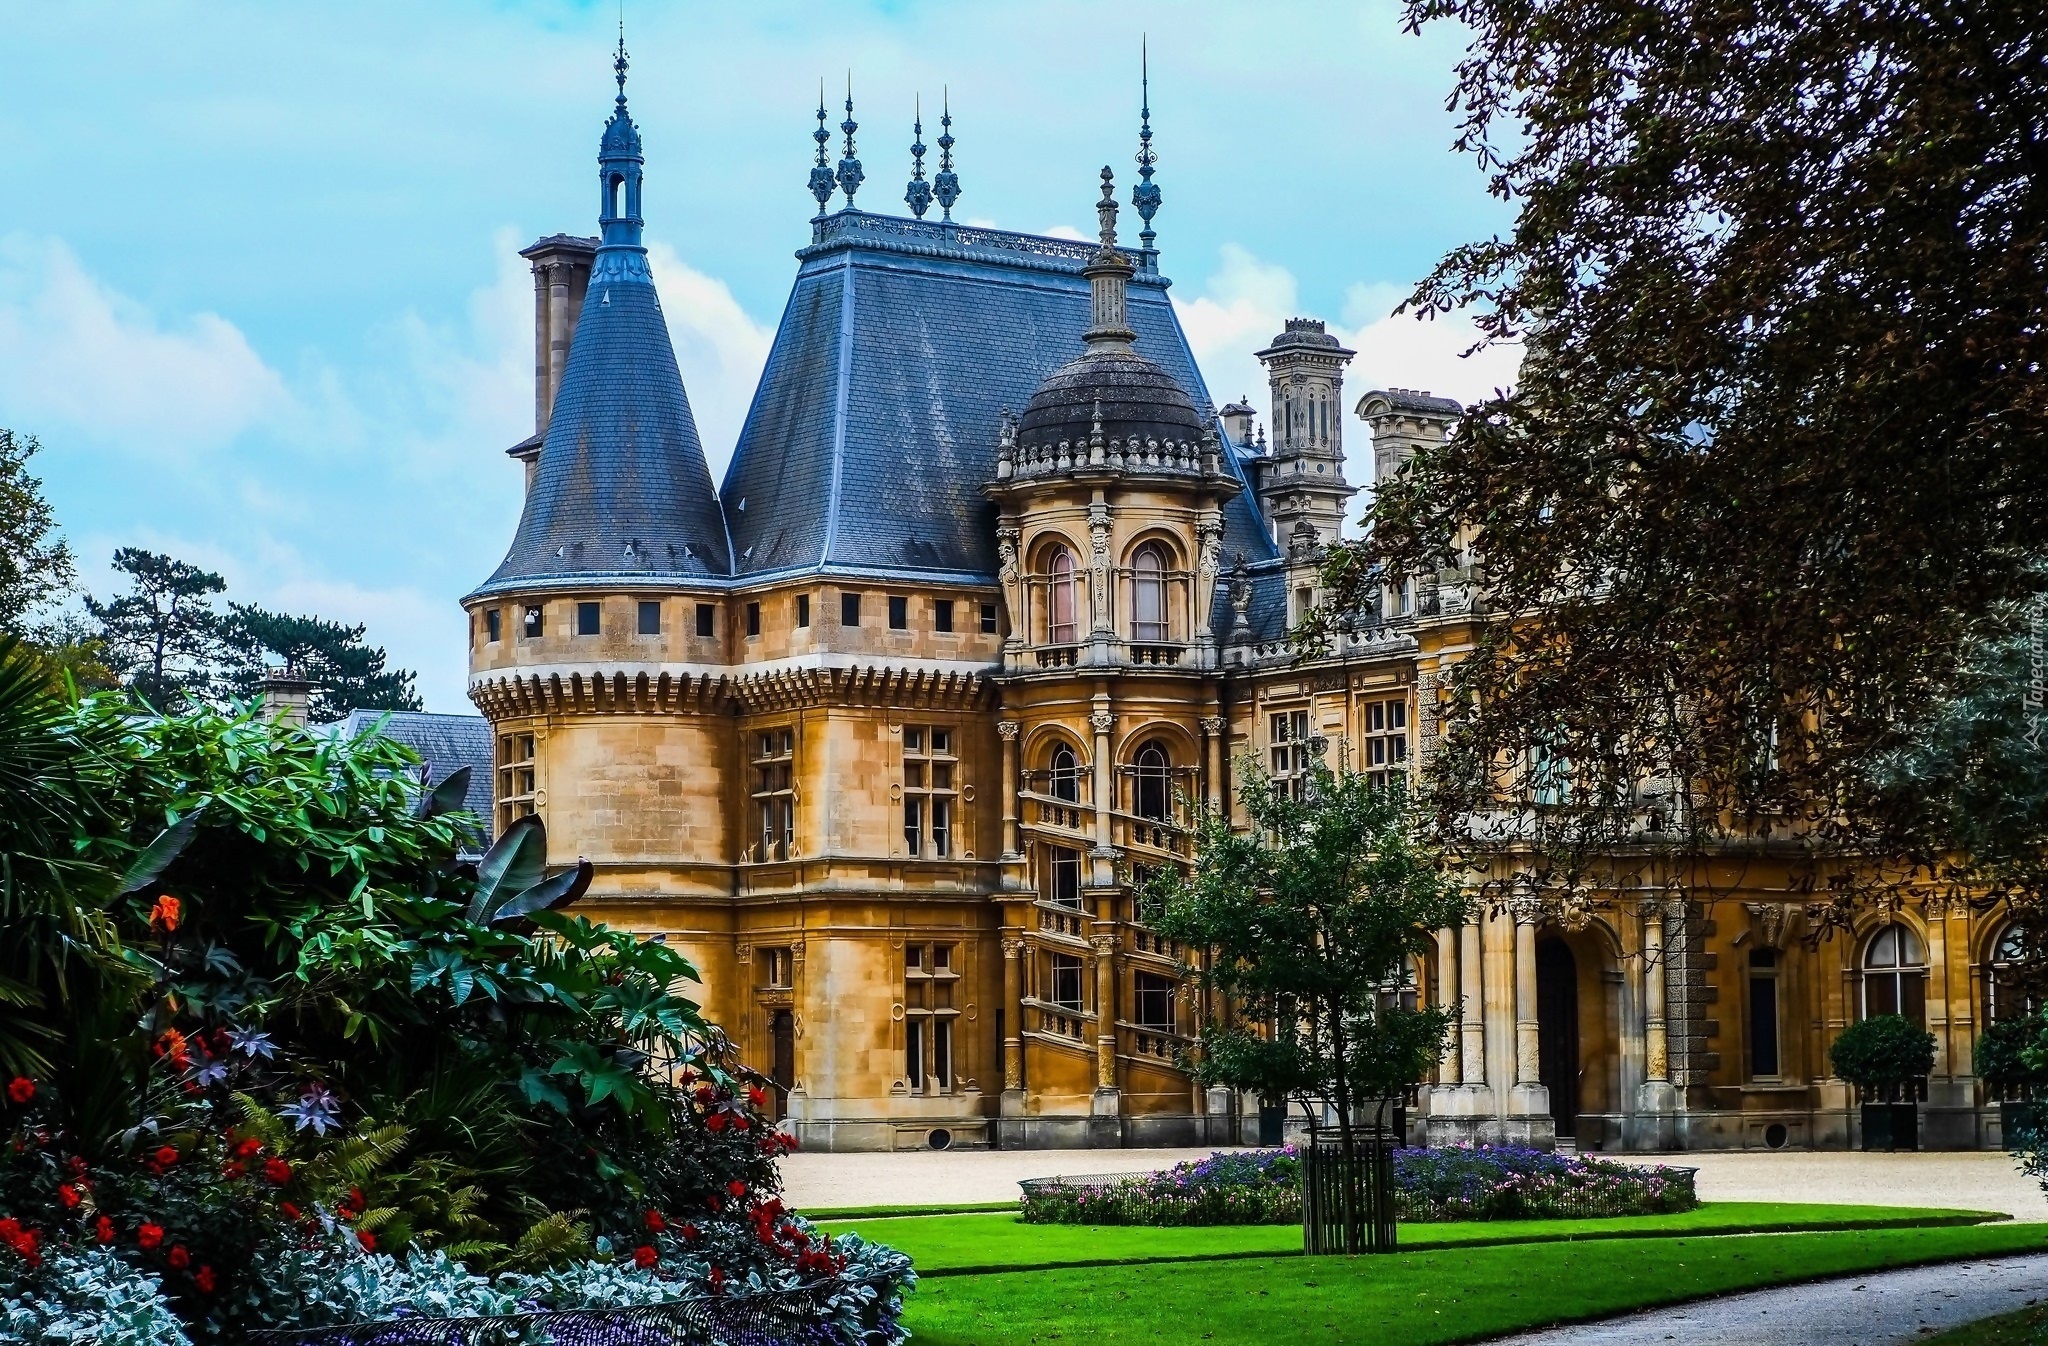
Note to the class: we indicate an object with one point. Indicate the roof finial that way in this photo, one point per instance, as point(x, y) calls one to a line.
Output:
point(945, 182)
point(619, 61)
point(821, 172)
point(1145, 196)
point(918, 194)
point(1105, 209)
point(850, 175)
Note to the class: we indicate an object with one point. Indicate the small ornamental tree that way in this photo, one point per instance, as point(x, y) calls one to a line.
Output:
point(1309, 918)
point(1883, 1054)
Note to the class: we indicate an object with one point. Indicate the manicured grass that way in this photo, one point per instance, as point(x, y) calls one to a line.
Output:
point(1414, 1298)
point(964, 1244)
point(2027, 1327)
point(872, 1212)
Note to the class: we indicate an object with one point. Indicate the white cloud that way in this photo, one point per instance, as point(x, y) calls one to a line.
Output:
point(75, 352)
point(1065, 231)
point(720, 349)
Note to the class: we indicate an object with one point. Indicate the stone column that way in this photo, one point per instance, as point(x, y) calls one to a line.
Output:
point(1472, 1026)
point(1447, 998)
point(1105, 1121)
point(1007, 730)
point(1102, 859)
point(1213, 729)
point(1013, 1015)
point(1656, 1094)
point(1528, 1099)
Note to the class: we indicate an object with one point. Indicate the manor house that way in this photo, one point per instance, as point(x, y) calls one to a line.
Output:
point(886, 729)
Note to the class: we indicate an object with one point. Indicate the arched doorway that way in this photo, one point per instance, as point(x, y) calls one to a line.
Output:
point(1557, 1030)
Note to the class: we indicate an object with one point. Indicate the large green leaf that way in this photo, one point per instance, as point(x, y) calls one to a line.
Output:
point(156, 857)
point(445, 797)
point(547, 895)
point(516, 861)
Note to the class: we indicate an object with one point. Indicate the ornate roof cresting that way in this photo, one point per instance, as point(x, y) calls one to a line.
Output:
point(821, 172)
point(917, 194)
point(850, 174)
point(1145, 196)
point(946, 183)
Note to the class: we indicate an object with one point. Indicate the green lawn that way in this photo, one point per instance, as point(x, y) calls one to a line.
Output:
point(943, 1245)
point(1415, 1298)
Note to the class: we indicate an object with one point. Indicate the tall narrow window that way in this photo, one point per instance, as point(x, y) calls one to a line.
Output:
point(1062, 628)
point(1154, 783)
point(988, 619)
point(517, 778)
point(530, 623)
point(1386, 742)
point(931, 999)
point(618, 197)
point(849, 609)
point(1065, 990)
point(707, 619)
point(2003, 998)
point(753, 619)
point(899, 612)
point(1066, 775)
point(1153, 1002)
point(931, 787)
point(942, 614)
point(803, 609)
point(1287, 741)
point(1064, 873)
point(1148, 593)
point(650, 618)
point(774, 793)
point(1763, 1014)
point(1895, 974)
point(492, 627)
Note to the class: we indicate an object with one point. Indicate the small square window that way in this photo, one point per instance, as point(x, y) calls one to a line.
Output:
point(753, 619)
point(942, 614)
point(650, 619)
point(586, 619)
point(988, 619)
point(491, 624)
point(803, 609)
point(899, 613)
point(707, 619)
point(849, 609)
point(530, 626)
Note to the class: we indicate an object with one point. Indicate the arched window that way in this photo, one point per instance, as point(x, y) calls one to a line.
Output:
point(1148, 593)
point(1895, 974)
point(618, 197)
point(1066, 775)
point(2002, 998)
point(1061, 627)
point(1154, 784)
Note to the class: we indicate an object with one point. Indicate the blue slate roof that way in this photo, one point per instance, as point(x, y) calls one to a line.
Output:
point(877, 417)
point(445, 743)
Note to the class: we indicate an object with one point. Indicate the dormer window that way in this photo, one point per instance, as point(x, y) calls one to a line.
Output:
point(1148, 593)
point(1062, 629)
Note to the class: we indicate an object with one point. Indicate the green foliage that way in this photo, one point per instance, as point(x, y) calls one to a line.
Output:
point(347, 674)
point(1308, 919)
point(35, 565)
point(1883, 1053)
point(85, 1299)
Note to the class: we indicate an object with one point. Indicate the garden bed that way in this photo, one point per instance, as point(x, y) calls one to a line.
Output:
point(1484, 1182)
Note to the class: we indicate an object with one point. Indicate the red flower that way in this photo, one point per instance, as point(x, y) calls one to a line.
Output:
point(27, 1243)
point(367, 1239)
point(656, 1221)
point(233, 1169)
point(150, 1235)
point(164, 915)
point(248, 1147)
point(21, 1089)
point(165, 1156)
point(178, 1257)
point(736, 1187)
point(356, 1201)
point(68, 1194)
point(291, 1212)
point(203, 1278)
point(689, 1232)
point(644, 1256)
point(717, 1280)
point(103, 1230)
point(716, 1121)
point(755, 1096)
point(278, 1171)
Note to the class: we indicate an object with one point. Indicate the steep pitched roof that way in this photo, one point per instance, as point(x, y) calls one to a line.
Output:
point(877, 417)
point(443, 742)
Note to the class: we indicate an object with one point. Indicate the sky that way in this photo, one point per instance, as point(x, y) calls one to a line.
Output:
point(260, 297)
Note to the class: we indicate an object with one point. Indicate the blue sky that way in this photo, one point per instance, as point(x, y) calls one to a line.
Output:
point(259, 291)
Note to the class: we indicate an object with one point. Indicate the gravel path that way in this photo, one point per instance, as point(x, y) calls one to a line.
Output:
point(1973, 1181)
point(1883, 1309)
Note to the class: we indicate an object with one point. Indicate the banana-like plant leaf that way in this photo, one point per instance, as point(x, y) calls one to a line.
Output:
point(445, 797)
point(156, 857)
point(516, 861)
point(547, 895)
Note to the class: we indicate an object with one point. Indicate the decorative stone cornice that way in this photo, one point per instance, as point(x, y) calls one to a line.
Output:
point(597, 691)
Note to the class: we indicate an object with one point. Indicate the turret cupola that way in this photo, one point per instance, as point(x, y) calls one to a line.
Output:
point(619, 162)
point(1302, 481)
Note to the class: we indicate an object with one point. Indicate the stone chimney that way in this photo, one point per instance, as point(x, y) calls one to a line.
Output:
point(561, 275)
point(286, 699)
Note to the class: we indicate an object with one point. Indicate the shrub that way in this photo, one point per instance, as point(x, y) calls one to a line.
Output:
point(1883, 1054)
point(88, 1298)
point(1485, 1182)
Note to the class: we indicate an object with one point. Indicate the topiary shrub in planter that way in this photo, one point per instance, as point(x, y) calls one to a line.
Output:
point(2002, 1061)
point(1885, 1057)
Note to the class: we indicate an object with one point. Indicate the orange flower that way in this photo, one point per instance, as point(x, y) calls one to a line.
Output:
point(164, 915)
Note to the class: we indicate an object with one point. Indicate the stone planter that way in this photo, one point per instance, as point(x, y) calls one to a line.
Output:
point(1272, 1124)
point(1891, 1126)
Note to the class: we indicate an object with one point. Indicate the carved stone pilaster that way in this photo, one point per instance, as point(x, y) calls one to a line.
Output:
point(1768, 920)
point(1213, 725)
point(1008, 729)
point(1098, 564)
point(1102, 721)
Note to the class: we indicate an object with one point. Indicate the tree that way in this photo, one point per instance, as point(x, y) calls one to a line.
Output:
point(1778, 458)
point(35, 565)
point(165, 637)
point(346, 674)
point(1308, 919)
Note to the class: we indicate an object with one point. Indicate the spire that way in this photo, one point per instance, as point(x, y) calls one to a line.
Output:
point(1109, 277)
point(1145, 196)
point(946, 183)
point(850, 175)
point(918, 193)
point(821, 172)
point(619, 164)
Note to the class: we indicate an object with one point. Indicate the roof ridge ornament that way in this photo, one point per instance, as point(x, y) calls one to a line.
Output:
point(850, 174)
point(1145, 196)
point(946, 183)
point(821, 172)
point(1109, 274)
point(917, 194)
point(619, 63)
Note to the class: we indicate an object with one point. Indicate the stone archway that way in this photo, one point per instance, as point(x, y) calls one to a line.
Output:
point(1557, 1027)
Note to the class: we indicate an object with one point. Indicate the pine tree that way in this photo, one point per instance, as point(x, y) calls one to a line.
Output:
point(35, 566)
point(346, 674)
point(164, 638)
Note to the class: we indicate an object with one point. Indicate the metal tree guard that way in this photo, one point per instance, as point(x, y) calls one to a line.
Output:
point(1347, 1195)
